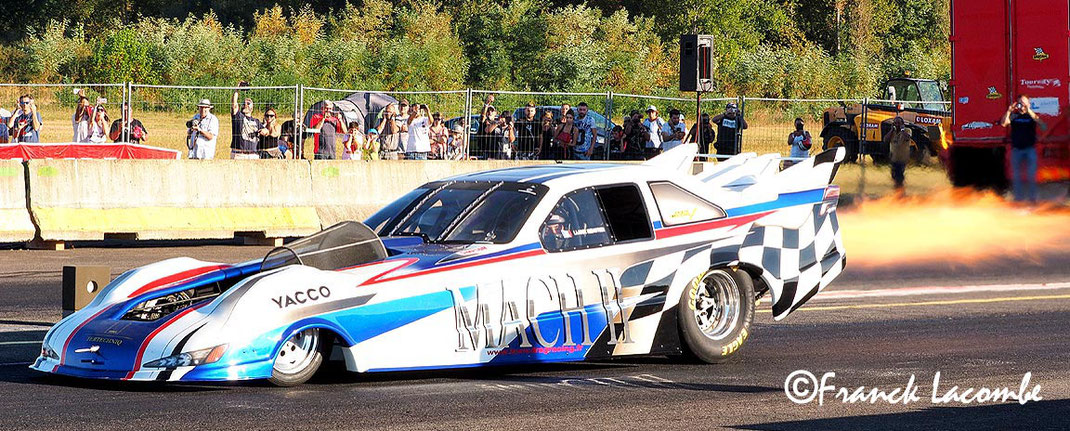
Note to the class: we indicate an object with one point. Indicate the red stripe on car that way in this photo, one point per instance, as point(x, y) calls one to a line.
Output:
point(698, 227)
point(176, 278)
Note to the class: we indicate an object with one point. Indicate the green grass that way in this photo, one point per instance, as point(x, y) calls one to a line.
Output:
point(876, 180)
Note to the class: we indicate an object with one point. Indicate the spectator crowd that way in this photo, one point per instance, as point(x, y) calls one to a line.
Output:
point(413, 131)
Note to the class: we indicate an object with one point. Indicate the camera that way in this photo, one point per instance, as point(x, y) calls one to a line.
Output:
point(193, 123)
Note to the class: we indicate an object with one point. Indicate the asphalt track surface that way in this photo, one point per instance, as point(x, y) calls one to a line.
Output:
point(874, 327)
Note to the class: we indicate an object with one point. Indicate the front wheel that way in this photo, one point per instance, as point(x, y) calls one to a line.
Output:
point(842, 137)
point(715, 314)
point(298, 359)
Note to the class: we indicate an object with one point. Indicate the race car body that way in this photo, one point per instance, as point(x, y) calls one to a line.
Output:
point(548, 263)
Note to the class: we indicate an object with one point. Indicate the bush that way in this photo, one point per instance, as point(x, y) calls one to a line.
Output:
point(123, 56)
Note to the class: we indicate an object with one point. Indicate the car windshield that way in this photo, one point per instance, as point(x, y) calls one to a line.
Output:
point(379, 221)
point(467, 212)
point(931, 92)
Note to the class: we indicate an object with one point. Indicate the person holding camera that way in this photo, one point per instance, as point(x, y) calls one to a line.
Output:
point(440, 136)
point(25, 123)
point(635, 136)
point(132, 127)
point(485, 143)
point(728, 124)
point(546, 150)
point(202, 133)
point(419, 143)
point(705, 134)
point(370, 150)
point(83, 115)
point(674, 133)
point(653, 126)
point(500, 133)
point(330, 123)
point(98, 128)
point(390, 133)
point(1023, 123)
point(245, 128)
point(898, 141)
point(353, 142)
point(268, 145)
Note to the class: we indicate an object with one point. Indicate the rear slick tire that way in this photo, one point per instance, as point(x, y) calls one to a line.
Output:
point(715, 314)
point(298, 359)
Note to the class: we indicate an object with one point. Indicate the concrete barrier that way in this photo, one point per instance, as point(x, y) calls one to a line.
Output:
point(351, 190)
point(15, 224)
point(170, 199)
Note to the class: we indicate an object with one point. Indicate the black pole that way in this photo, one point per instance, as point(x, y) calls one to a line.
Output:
point(698, 118)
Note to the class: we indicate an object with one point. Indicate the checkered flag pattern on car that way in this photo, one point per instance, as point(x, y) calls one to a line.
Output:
point(797, 263)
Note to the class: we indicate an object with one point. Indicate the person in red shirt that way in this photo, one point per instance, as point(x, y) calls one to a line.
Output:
point(330, 124)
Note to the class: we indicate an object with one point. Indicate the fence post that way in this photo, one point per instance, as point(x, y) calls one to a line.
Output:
point(128, 100)
point(299, 125)
point(466, 120)
point(742, 101)
point(297, 113)
point(606, 147)
point(862, 149)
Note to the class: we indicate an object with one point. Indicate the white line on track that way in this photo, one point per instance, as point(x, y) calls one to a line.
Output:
point(938, 290)
point(12, 343)
point(9, 364)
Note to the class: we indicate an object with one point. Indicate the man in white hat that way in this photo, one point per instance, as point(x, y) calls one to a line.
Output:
point(203, 129)
point(655, 126)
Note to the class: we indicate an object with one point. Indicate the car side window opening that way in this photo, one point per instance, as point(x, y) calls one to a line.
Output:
point(625, 213)
point(596, 217)
point(678, 206)
point(576, 222)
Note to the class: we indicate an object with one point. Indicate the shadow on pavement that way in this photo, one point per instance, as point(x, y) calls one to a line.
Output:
point(1041, 415)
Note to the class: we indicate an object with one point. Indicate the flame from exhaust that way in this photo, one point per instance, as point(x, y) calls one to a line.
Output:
point(956, 227)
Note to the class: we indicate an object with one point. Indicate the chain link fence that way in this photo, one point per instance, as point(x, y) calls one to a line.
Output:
point(539, 125)
point(366, 109)
point(773, 124)
point(166, 112)
point(639, 106)
point(459, 133)
point(65, 112)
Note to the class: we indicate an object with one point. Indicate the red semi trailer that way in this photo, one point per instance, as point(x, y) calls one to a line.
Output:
point(1001, 49)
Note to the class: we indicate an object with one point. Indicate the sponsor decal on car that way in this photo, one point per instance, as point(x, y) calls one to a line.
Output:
point(993, 94)
point(1040, 84)
point(491, 323)
point(976, 125)
point(302, 296)
point(1039, 54)
point(104, 340)
point(964, 100)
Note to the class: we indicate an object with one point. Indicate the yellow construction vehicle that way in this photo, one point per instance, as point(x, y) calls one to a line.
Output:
point(916, 100)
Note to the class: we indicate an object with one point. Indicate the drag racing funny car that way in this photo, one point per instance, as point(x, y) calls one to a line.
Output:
point(546, 263)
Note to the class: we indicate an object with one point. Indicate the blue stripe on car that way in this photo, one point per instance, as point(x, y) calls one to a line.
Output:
point(783, 201)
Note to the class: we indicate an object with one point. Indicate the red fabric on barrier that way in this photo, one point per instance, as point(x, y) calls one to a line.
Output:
point(26, 151)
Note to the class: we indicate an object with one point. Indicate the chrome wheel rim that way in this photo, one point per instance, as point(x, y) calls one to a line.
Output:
point(297, 352)
point(717, 304)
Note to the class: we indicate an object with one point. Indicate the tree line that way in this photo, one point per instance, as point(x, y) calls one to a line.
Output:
point(764, 48)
